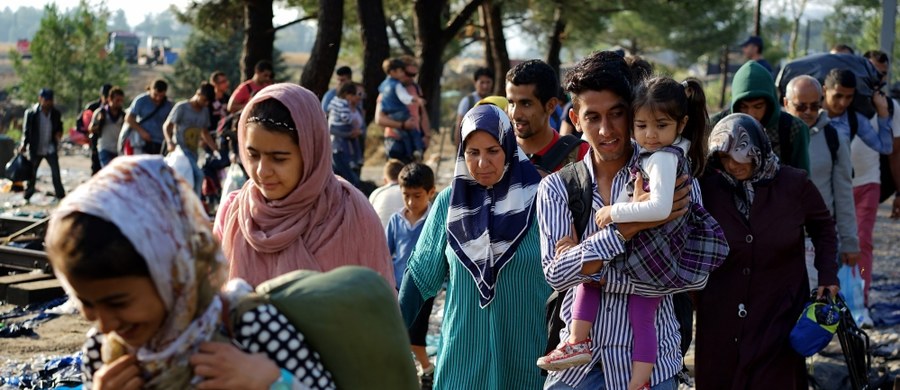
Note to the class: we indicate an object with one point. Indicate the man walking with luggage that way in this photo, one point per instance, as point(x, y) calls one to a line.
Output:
point(42, 132)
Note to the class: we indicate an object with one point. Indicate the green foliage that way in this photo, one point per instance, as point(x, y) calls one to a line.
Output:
point(215, 43)
point(68, 56)
point(203, 54)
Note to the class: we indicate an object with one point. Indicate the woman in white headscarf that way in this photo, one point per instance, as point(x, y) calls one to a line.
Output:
point(134, 248)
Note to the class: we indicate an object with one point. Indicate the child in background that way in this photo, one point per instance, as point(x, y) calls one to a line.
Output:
point(345, 127)
point(387, 199)
point(417, 186)
point(397, 104)
point(670, 125)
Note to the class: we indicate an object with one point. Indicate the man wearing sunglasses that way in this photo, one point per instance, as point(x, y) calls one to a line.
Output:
point(830, 168)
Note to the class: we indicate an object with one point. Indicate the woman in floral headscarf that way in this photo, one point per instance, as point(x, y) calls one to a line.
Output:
point(482, 234)
point(134, 248)
point(751, 303)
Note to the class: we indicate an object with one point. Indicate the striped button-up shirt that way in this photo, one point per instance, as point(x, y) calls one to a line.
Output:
point(611, 332)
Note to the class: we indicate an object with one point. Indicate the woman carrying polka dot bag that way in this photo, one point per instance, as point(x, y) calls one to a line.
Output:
point(133, 246)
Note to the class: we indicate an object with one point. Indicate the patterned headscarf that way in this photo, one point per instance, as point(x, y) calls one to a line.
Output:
point(167, 225)
point(745, 140)
point(485, 225)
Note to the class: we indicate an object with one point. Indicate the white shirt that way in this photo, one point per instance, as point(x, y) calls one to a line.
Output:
point(661, 169)
point(45, 126)
point(386, 200)
point(866, 163)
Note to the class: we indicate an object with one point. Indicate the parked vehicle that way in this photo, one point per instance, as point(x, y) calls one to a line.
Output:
point(23, 46)
point(124, 42)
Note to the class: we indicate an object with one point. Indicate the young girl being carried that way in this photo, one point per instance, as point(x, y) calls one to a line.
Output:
point(670, 125)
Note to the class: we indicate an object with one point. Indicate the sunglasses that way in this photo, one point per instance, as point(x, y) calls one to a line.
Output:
point(410, 74)
point(803, 107)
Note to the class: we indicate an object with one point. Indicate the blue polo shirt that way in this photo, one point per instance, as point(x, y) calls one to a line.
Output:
point(402, 238)
point(142, 106)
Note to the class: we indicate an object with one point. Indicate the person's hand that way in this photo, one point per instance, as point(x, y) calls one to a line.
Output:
point(355, 133)
point(421, 101)
point(603, 217)
point(123, 373)
point(639, 194)
point(426, 140)
point(880, 103)
point(832, 291)
point(144, 134)
point(895, 210)
point(566, 243)
point(224, 366)
point(410, 124)
point(22, 149)
point(681, 200)
point(170, 147)
point(850, 258)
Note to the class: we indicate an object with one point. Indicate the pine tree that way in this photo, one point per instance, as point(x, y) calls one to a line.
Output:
point(68, 56)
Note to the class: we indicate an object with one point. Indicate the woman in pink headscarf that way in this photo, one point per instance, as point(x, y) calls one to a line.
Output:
point(294, 213)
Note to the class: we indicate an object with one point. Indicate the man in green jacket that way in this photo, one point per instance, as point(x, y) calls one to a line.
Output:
point(753, 93)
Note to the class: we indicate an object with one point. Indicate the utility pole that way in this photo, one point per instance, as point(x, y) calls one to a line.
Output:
point(724, 67)
point(806, 44)
point(757, 19)
point(888, 24)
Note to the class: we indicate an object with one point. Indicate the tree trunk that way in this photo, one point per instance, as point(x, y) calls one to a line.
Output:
point(373, 30)
point(431, 40)
point(259, 36)
point(318, 69)
point(556, 38)
point(488, 48)
point(795, 36)
point(499, 54)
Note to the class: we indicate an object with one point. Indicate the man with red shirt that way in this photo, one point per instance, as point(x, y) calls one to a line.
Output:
point(263, 75)
point(532, 88)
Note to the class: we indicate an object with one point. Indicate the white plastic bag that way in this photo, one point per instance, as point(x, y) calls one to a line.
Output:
point(178, 161)
point(234, 180)
point(852, 285)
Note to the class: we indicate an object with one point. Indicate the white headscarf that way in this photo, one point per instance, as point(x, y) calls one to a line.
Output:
point(166, 223)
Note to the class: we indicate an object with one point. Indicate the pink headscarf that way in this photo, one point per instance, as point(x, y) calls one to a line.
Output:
point(322, 224)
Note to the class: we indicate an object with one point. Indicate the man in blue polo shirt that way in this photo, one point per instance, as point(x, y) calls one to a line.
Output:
point(147, 114)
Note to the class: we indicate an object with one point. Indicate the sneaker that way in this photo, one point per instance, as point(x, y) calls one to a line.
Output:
point(426, 378)
point(566, 356)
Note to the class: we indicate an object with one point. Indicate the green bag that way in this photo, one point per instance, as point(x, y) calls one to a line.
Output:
point(351, 317)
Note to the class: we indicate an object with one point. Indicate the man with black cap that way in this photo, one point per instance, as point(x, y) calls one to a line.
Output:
point(42, 131)
point(86, 117)
point(752, 49)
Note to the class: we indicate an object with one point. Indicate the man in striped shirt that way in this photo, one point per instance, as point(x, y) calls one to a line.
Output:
point(601, 93)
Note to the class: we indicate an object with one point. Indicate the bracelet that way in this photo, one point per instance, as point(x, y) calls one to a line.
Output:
point(284, 382)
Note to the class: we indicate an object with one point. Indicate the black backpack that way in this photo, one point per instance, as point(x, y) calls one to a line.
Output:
point(564, 150)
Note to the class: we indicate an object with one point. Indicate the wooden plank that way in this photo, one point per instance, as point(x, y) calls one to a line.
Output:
point(6, 281)
point(33, 292)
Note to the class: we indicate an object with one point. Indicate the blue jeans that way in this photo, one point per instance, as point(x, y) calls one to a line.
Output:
point(106, 157)
point(595, 381)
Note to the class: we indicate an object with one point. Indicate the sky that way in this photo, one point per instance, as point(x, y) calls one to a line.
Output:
point(134, 10)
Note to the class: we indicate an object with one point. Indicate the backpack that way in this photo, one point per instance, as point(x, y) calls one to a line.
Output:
point(578, 186)
point(350, 316)
point(580, 191)
point(888, 187)
point(566, 147)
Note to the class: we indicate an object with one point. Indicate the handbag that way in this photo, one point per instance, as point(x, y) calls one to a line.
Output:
point(816, 326)
point(19, 168)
